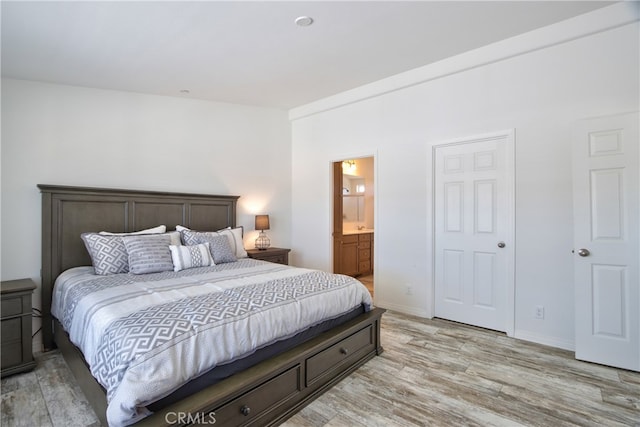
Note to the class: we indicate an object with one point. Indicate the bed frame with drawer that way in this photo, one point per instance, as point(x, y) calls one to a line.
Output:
point(265, 394)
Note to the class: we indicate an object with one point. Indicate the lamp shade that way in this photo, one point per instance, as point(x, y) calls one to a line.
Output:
point(262, 222)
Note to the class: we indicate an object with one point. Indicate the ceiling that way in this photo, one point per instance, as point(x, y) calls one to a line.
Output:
point(252, 52)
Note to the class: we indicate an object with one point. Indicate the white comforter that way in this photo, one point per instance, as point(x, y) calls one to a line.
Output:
point(145, 336)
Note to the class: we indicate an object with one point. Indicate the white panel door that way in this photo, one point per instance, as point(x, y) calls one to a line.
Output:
point(606, 234)
point(473, 216)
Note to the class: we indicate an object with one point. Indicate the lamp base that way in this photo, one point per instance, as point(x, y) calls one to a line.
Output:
point(263, 241)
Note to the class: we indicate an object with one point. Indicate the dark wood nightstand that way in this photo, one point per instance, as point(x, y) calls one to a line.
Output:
point(277, 255)
point(15, 345)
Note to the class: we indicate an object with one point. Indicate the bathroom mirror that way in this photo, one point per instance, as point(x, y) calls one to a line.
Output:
point(353, 198)
point(353, 207)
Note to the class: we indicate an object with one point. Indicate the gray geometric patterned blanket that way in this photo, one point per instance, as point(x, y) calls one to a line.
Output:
point(144, 336)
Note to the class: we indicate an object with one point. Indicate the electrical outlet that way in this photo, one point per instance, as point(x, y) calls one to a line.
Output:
point(409, 290)
point(539, 314)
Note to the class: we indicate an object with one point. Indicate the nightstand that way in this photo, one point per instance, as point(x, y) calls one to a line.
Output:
point(277, 255)
point(15, 343)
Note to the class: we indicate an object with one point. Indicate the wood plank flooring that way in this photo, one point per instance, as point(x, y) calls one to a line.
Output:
point(432, 373)
point(367, 281)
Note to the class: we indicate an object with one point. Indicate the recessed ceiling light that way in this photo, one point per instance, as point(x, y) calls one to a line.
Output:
point(304, 21)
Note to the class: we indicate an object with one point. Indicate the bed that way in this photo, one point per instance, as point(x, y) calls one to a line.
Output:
point(262, 384)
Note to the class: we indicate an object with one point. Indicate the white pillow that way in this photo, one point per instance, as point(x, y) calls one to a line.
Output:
point(155, 230)
point(190, 256)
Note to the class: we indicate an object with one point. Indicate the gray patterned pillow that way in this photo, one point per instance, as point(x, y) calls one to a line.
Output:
point(190, 237)
point(233, 235)
point(219, 247)
point(148, 254)
point(108, 253)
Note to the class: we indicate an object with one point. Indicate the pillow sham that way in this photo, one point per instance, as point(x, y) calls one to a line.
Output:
point(155, 230)
point(184, 257)
point(219, 248)
point(148, 254)
point(235, 240)
point(190, 237)
point(233, 235)
point(108, 253)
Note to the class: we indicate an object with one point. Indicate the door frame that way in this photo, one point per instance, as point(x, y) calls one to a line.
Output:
point(337, 209)
point(509, 135)
point(332, 189)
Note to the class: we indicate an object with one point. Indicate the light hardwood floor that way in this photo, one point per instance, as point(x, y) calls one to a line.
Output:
point(367, 281)
point(432, 373)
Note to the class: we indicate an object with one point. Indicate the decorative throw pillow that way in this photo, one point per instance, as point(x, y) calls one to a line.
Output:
point(233, 235)
point(190, 237)
point(190, 256)
point(148, 254)
point(108, 253)
point(235, 240)
point(219, 247)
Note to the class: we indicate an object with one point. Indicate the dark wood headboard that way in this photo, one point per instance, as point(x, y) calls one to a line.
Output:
point(68, 212)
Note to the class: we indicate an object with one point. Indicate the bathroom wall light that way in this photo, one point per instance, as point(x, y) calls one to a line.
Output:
point(349, 166)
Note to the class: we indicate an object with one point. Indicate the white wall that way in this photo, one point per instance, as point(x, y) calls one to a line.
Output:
point(540, 94)
point(54, 134)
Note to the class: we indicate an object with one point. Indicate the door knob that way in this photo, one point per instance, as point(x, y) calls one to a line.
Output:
point(583, 252)
point(501, 244)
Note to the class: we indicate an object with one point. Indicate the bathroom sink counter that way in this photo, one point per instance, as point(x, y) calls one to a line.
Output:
point(354, 231)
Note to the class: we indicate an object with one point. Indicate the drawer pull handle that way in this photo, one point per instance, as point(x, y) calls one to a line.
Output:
point(344, 351)
point(245, 410)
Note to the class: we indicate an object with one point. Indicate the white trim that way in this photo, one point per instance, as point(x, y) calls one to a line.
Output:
point(404, 309)
point(353, 155)
point(600, 20)
point(509, 237)
point(545, 340)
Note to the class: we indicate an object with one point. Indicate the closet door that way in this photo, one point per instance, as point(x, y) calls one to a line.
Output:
point(606, 187)
point(473, 218)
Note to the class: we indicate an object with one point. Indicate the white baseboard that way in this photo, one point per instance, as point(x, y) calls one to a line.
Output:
point(403, 309)
point(519, 334)
point(545, 340)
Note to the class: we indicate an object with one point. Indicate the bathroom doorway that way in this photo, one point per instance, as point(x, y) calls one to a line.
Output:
point(353, 219)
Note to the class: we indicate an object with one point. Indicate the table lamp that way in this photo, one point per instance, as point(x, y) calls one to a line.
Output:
point(262, 223)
